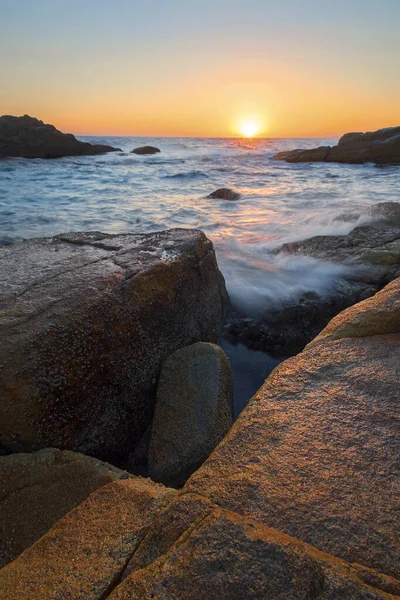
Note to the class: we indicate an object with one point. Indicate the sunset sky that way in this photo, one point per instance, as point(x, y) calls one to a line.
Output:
point(201, 68)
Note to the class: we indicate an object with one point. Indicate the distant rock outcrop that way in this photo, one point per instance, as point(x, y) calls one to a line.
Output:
point(39, 488)
point(224, 194)
point(146, 150)
point(380, 147)
point(86, 321)
point(27, 137)
point(193, 412)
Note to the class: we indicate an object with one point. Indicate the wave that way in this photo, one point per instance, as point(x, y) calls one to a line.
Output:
point(187, 175)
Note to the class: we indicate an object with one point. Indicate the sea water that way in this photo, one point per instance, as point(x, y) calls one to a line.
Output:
point(122, 192)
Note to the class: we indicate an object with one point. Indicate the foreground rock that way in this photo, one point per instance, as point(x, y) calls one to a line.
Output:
point(299, 501)
point(371, 255)
point(194, 410)
point(315, 454)
point(146, 150)
point(155, 544)
point(27, 137)
point(224, 194)
point(86, 321)
point(381, 147)
point(85, 553)
point(37, 489)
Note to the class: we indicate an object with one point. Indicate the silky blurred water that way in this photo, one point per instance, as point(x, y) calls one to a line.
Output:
point(122, 192)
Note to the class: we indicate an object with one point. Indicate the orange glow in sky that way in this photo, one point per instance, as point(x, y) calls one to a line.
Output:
point(294, 69)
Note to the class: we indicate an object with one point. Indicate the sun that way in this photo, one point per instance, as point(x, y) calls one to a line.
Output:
point(249, 128)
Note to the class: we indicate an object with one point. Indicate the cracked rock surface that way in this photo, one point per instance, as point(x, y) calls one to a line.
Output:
point(37, 489)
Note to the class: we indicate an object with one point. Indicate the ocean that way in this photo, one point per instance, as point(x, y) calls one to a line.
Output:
point(122, 192)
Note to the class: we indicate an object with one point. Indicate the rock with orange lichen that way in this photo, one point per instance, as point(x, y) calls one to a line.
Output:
point(38, 488)
point(316, 452)
point(86, 320)
point(84, 554)
point(198, 551)
point(133, 540)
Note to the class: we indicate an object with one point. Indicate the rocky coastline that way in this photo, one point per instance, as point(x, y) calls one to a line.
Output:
point(27, 137)
point(111, 369)
point(381, 147)
point(297, 501)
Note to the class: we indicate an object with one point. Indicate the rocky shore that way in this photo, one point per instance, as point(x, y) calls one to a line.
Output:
point(108, 350)
point(381, 147)
point(298, 501)
point(27, 137)
point(371, 255)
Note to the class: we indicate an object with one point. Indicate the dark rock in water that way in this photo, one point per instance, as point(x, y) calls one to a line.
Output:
point(381, 147)
point(146, 150)
point(371, 253)
point(86, 321)
point(224, 194)
point(193, 412)
point(27, 137)
point(39, 488)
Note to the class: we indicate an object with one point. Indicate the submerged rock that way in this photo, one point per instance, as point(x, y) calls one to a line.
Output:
point(371, 253)
point(193, 412)
point(381, 147)
point(37, 489)
point(145, 150)
point(86, 321)
point(315, 454)
point(27, 137)
point(224, 194)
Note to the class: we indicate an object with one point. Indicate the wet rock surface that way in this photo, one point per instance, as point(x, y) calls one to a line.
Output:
point(381, 147)
point(193, 412)
point(86, 321)
point(27, 137)
point(224, 194)
point(371, 255)
point(146, 150)
point(37, 489)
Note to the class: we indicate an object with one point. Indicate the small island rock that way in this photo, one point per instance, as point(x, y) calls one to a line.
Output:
point(224, 194)
point(27, 137)
point(146, 150)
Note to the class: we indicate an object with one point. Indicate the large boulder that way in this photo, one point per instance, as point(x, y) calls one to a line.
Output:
point(371, 257)
point(146, 150)
point(86, 320)
point(84, 554)
point(381, 147)
point(27, 137)
point(37, 489)
point(193, 412)
point(315, 454)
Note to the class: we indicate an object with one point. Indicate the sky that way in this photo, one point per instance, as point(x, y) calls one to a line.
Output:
point(202, 68)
